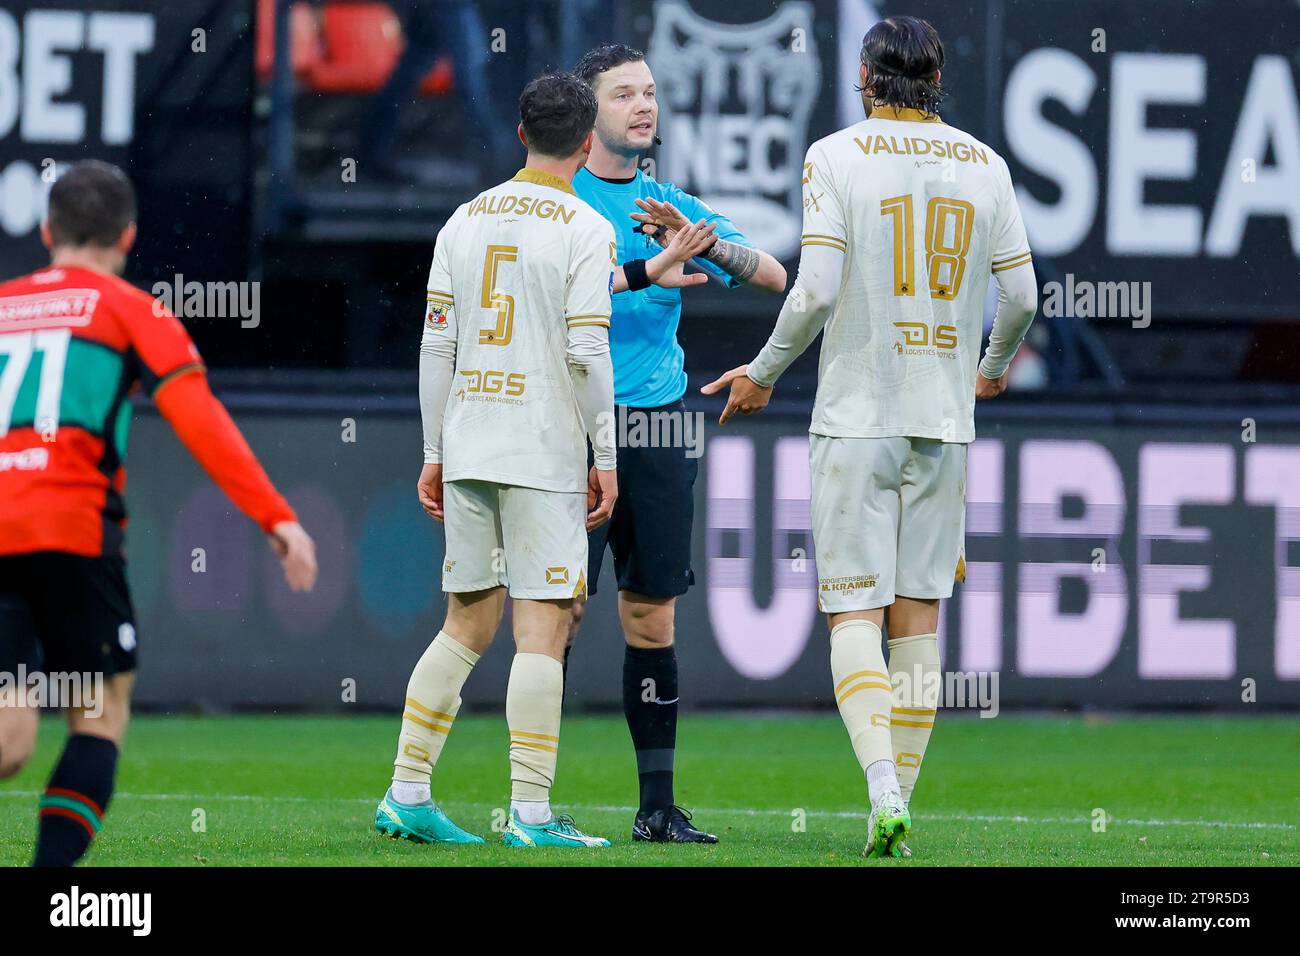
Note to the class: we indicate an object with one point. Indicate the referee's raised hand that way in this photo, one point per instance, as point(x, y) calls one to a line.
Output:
point(666, 269)
point(665, 219)
point(746, 396)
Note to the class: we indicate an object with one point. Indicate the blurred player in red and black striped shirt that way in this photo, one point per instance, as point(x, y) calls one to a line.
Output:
point(76, 341)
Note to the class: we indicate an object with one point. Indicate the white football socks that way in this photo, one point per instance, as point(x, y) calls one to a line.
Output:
point(881, 779)
point(410, 792)
point(915, 673)
point(432, 701)
point(532, 812)
point(533, 697)
point(864, 697)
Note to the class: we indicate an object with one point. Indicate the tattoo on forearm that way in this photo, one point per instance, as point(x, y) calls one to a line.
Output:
point(733, 259)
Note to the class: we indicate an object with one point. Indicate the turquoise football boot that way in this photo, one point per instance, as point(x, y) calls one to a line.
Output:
point(557, 831)
point(421, 823)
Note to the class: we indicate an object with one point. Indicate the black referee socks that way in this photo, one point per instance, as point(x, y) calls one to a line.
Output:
point(72, 807)
point(650, 705)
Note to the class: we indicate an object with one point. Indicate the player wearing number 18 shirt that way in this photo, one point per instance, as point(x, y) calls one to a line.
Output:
point(905, 219)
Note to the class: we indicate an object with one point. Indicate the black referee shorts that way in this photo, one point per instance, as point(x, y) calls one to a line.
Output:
point(66, 613)
point(650, 531)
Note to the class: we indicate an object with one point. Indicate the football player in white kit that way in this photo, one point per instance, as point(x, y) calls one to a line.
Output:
point(515, 376)
point(905, 218)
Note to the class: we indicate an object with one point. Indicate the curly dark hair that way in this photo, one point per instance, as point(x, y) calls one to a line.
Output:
point(557, 111)
point(903, 56)
point(605, 57)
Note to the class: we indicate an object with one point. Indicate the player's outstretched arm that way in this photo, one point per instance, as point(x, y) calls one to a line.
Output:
point(802, 317)
point(1017, 303)
point(752, 267)
point(745, 396)
point(211, 436)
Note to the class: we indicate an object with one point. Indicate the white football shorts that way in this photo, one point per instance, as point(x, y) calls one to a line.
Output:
point(533, 542)
point(889, 519)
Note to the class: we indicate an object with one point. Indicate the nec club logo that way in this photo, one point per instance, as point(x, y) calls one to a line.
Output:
point(735, 101)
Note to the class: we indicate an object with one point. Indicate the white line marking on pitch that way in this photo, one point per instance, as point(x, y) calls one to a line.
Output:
point(714, 811)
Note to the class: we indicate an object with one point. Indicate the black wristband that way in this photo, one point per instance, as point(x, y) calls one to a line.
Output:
point(635, 274)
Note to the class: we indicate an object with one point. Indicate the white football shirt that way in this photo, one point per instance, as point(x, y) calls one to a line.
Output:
point(924, 213)
point(514, 269)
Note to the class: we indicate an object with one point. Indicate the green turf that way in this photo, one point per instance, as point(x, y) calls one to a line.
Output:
point(1013, 790)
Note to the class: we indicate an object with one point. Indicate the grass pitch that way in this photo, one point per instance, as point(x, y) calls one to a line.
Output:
point(779, 790)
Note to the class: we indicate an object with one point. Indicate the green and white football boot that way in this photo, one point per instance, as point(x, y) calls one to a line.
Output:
point(557, 831)
point(419, 823)
point(888, 826)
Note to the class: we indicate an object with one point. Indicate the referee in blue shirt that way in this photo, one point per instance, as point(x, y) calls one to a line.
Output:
point(650, 532)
